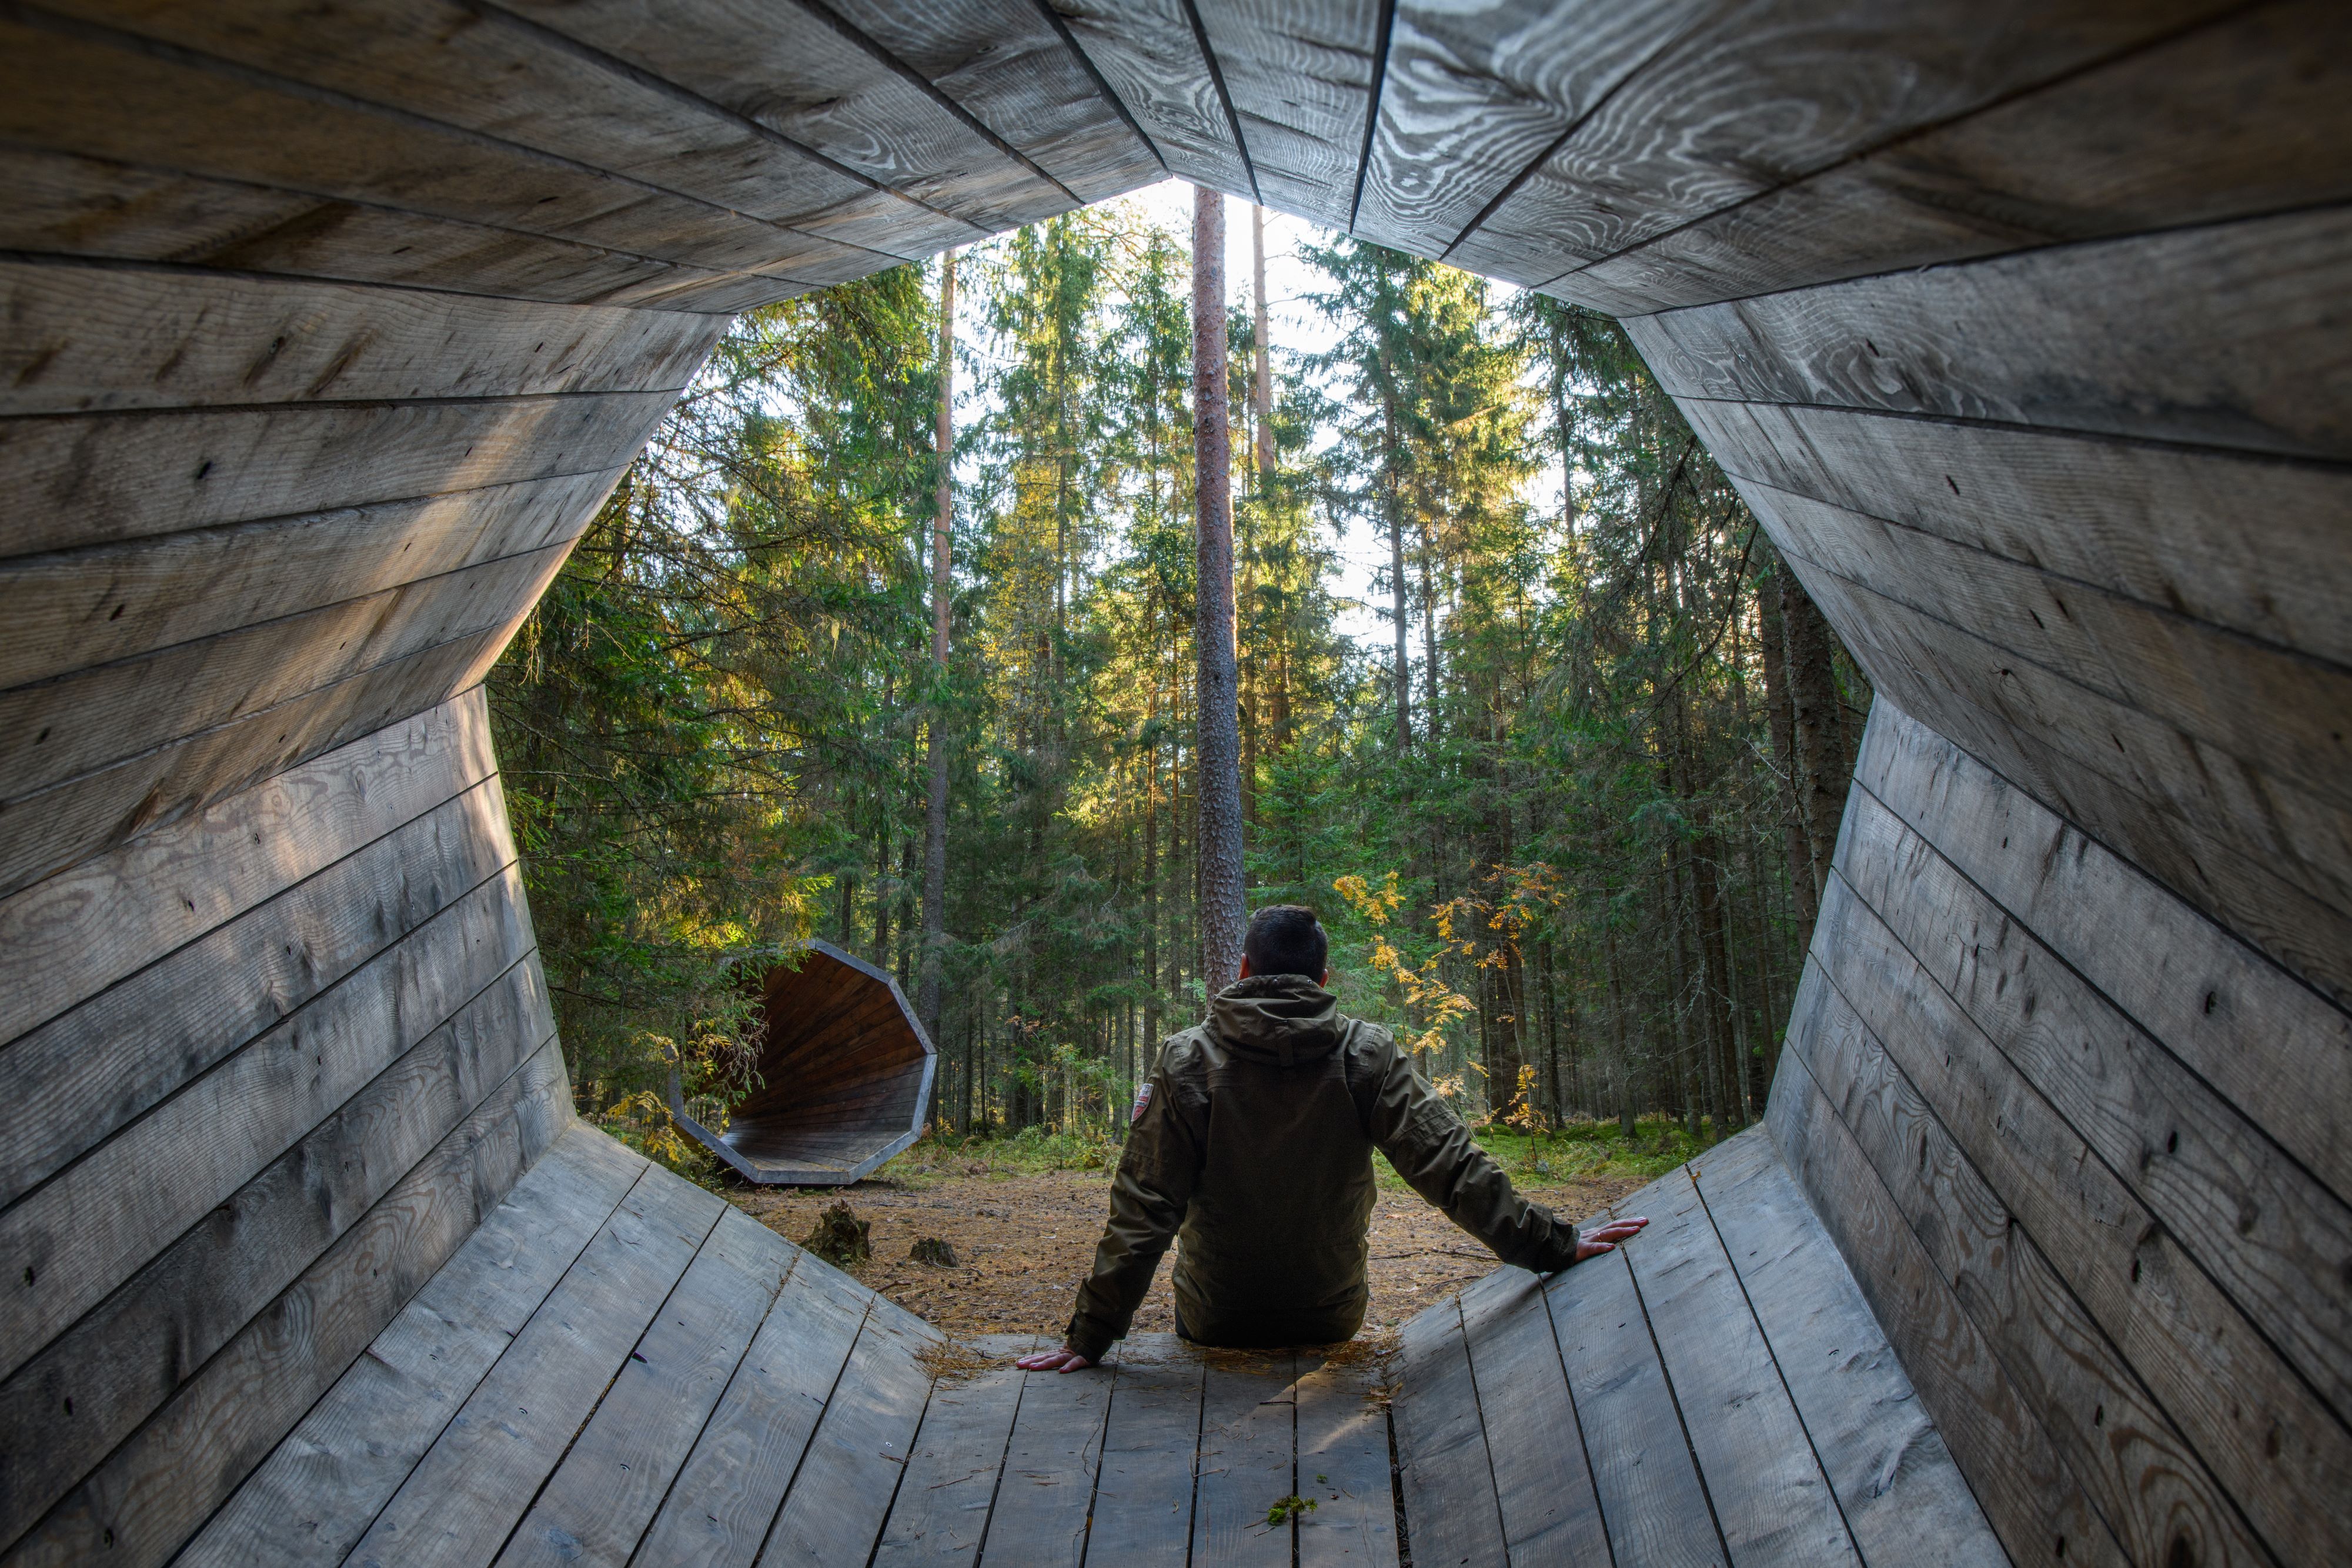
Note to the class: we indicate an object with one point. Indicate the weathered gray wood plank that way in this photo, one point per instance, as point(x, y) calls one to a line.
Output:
point(941, 1514)
point(1763, 95)
point(96, 478)
point(727, 1492)
point(229, 121)
point(1143, 1489)
point(154, 1492)
point(1003, 61)
point(602, 1498)
point(2022, 1257)
point(1300, 76)
point(83, 338)
point(2148, 523)
point(1343, 1456)
point(66, 1407)
point(83, 607)
point(2239, 366)
point(73, 936)
point(317, 1491)
point(1472, 99)
point(1771, 1499)
point(1543, 1483)
point(471, 1486)
point(1450, 1507)
point(2238, 117)
point(77, 723)
point(1903, 1498)
point(1147, 52)
point(2047, 1115)
point(1642, 1473)
point(1249, 1436)
point(2032, 1500)
point(2267, 1043)
point(69, 205)
point(60, 827)
point(1050, 1461)
point(2273, 708)
point(858, 1453)
point(83, 1233)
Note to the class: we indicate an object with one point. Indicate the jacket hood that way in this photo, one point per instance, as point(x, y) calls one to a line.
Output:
point(1281, 1019)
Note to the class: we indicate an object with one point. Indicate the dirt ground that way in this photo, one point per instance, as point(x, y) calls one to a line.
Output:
point(1024, 1242)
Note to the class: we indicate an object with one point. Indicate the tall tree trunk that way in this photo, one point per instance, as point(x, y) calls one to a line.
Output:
point(1217, 750)
point(1396, 596)
point(1813, 686)
point(1262, 432)
point(935, 805)
point(1780, 714)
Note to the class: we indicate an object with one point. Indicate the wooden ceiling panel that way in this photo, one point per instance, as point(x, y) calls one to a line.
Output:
point(1301, 79)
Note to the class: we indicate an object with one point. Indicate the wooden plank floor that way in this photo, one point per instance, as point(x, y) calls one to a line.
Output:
point(1716, 1392)
point(620, 1369)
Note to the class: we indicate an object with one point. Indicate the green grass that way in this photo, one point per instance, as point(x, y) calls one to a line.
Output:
point(1581, 1151)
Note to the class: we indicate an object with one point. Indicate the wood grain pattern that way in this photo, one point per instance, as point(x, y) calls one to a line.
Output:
point(602, 1496)
point(66, 1407)
point(1448, 1478)
point(157, 1488)
point(1144, 1485)
point(2230, 1015)
point(2032, 1500)
point(842, 1492)
point(941, 1511)
point(1049, 1484)
point(67, 728)
point(1472, 99)
point(732, 1483)
point(2242, 363)
point(1003, 61)
point(87, 816)
point(66, 205)
point(1543, 1487)
point(2235, 118)
point(2039, 1240)
point(82, 339)
point(316, 1494)
point(1764, 94)
point(96, 478)
point(73, 936)
point(1249, 1436)
point(1343, 1454)
point(2271, 708)
point(2146, 523)
point(1902, 1497)
point(472, 1486)
point(799, 73)
point(1643, 1469)
point(1147, 52)
point(83, 607)
point(225, 120)
point(1300, 77)
point(78, 1236)
point(2177, 1224)
point(1772, 1502)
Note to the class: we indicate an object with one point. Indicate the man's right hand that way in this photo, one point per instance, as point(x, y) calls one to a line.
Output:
point(1593, 1243)
point(1061, 1360)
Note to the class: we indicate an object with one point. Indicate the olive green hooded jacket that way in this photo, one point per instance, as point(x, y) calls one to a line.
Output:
point(1253, 1144)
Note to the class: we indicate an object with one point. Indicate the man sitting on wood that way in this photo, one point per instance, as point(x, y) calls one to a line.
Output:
point(1253, 1140)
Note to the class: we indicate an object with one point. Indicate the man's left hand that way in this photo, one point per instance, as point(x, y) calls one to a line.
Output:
point(1593, 1243)
point(1061, 1360)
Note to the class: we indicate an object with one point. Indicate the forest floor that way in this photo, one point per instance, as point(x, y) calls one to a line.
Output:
point(1023, 1216)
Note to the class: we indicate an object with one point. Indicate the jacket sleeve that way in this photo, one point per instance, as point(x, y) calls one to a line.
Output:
point(1148, 1196)
point(1431, 1149)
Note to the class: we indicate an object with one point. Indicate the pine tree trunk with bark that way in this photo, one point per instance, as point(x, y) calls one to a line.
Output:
point(1820, 749)
point(1217, 750)
point(1780, 719)
point(935, 805)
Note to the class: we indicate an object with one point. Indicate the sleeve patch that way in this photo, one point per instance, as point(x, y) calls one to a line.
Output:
point(1142, 1099)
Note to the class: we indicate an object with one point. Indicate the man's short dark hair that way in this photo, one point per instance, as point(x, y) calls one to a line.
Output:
point(1287, 939)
